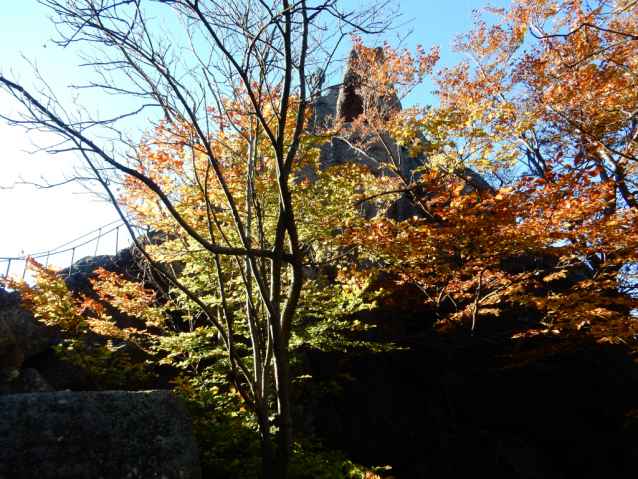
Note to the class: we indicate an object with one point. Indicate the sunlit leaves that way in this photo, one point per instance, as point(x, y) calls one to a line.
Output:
point(491, 254)
point(50, 302)
point(129, 297)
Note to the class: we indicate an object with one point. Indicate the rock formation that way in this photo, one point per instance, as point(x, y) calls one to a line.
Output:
point(349, 105)
point(109, 435)
point(31, 336)
point(342, 102)
point(22, 338)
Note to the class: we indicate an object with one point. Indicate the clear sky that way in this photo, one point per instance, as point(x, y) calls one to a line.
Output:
point(33, 220)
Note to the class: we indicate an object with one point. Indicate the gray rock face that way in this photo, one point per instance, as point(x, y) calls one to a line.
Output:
point(345, 103)
point(349, 104)
point(31, 335)
point(28, 381)
point(21, 338)
point(9, 353)
point(114, 434)
point(324, 107)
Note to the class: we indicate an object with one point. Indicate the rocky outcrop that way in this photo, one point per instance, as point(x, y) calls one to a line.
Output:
point(349, 103)
point(343, 102)
point(109, 435)
point(32, 336)
point(324, 108)
point(22, 338)
point(58, 372)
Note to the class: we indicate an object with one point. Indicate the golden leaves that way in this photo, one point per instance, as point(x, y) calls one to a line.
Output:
point(129, 297)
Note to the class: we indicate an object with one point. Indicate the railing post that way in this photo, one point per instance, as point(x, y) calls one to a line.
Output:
point(72, 258)
point(98, 241)
point(26, 263)
point(8, 267)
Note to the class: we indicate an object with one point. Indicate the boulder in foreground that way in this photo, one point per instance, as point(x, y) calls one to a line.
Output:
point(108, 435)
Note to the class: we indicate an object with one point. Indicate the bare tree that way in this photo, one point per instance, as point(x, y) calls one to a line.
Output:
point(274, 46)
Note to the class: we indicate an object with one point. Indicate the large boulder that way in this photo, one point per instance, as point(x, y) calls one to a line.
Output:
point(27, 381)
point(114, 434)
point(32, 336)
point(9, 353)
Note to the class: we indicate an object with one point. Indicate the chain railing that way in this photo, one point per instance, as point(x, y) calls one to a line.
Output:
point(102, 232)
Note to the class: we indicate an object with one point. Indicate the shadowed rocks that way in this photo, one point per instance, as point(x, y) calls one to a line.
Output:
point(109, 435)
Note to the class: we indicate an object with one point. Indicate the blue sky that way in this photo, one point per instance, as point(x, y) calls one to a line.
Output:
point(35, 220)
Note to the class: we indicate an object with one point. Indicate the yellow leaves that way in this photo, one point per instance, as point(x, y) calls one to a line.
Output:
point(129, 297)
point(555, 275)
point(49, 300)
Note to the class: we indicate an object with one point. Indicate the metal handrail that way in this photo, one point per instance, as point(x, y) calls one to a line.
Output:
point(55, 251)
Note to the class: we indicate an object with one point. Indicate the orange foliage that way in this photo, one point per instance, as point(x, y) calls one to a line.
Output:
point(129, 297)
point(541, 253)
point(550, 253)
point(549, 81)
point(51, 303)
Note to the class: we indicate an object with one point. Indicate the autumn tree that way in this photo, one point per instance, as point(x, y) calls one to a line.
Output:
point(543, 253)
point(546, 81)
point(234, 87)
point(549, 248)
point(549, 90)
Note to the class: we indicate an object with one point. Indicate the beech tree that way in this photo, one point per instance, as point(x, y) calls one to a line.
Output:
point(554, 247)
point(548, 81)
point(547, 252)
point(234, 87)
